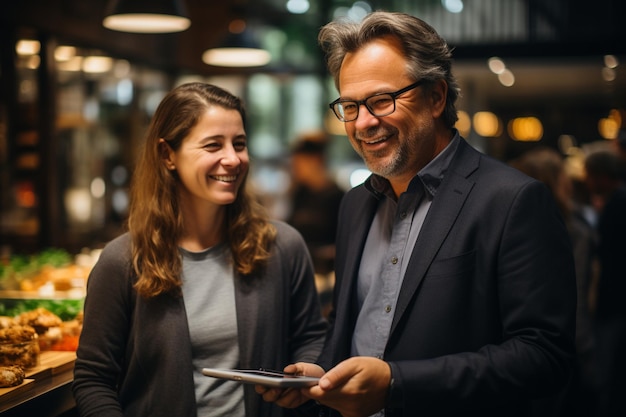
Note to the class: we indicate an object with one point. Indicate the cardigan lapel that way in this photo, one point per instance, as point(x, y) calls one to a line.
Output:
point(443, 212)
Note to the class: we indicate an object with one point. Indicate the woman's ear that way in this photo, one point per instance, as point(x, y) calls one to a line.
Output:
point(167, 154)
point(438, 97)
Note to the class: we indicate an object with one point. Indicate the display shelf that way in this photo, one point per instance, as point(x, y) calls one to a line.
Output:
point(37, 295)
point(48, 382)
point(65, 304)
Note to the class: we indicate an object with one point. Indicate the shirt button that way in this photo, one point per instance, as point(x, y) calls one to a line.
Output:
point(403, 215)
point(387, 309)
point(394, 260)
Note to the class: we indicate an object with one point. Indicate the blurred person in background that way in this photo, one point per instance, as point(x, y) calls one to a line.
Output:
point(620, 149)
point(315, 198)
point(547, 165)
point(608, 196)
point(455, 289)
point(201, 279)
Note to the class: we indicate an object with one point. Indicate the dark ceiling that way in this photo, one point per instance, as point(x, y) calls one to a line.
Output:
point(553, 28)
point(79, 22)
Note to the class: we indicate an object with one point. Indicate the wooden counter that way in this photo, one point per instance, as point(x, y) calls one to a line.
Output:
point(46, 391)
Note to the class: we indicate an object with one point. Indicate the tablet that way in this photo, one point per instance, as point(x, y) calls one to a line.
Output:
point(262, 377)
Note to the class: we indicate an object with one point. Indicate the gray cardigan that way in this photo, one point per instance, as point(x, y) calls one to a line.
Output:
point(134, 357)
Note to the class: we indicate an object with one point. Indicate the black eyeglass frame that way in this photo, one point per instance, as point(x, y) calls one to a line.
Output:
point(394, 95)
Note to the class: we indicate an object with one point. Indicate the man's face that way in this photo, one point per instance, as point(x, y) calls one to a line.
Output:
point(398, 145)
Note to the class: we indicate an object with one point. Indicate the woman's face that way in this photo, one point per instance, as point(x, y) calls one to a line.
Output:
point(212, 160)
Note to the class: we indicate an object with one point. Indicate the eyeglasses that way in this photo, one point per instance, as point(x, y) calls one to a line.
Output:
point(379, 104)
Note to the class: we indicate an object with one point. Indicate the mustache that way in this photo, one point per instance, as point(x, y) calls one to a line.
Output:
point(373, 132)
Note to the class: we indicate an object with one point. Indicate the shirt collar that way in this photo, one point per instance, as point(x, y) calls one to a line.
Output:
point(430, 176)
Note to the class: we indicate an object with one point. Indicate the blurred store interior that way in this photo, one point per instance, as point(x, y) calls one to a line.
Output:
point(532, 72)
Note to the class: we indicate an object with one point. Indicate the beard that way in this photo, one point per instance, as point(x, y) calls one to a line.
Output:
point(391, 161)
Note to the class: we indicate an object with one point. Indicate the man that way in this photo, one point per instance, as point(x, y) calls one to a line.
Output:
point(455, 291)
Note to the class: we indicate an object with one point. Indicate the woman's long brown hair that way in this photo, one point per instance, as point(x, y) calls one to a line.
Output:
point(155, 222)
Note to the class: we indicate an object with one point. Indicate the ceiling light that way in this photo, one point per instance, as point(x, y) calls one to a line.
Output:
point(453, 6)
point(610, 61)
point(525, 129)
point(506, 78)
point(487, 124)
point(236, 57)
point(97, 64)
point(146, 16)
point(64, 53)
point(27, 47)
point(608, 128)
point(298, 6)
point(496, 65)
point(238, 49)
point(608, 74)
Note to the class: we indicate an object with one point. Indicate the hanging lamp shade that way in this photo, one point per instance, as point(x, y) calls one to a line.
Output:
point(239, 48)
point(146, 16)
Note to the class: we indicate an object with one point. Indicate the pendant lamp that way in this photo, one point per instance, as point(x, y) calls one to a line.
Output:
point(146, 16)
point(239, 48)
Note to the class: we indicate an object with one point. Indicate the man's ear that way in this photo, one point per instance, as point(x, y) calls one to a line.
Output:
point(438, 97)
point(166, 154)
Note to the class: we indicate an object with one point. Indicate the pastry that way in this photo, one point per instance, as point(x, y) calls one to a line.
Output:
point(11, 376)
point(19, 346)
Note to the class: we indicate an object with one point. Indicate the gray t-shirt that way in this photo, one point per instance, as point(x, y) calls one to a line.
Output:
point(209, 296)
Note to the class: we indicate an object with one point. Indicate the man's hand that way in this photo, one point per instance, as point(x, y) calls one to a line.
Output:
point(290, 397)
point(356, 387)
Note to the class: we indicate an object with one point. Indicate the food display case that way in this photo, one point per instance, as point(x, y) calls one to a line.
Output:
point(41, 304)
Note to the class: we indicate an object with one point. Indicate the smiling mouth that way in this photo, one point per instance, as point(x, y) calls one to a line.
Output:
point(372, 142)
point(224, 178)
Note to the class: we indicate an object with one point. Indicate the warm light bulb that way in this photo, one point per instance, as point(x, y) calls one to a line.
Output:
point(487, 124)
point(146, 23)
point(236, 57)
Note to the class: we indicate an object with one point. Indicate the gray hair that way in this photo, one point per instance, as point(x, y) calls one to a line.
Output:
point(428, 54)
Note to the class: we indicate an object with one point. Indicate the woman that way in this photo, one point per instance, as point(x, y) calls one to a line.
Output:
point(201, 279)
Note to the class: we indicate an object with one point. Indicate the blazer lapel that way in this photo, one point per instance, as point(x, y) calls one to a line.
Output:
point(356, 232)
point(443, 212)
point(354, 229)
